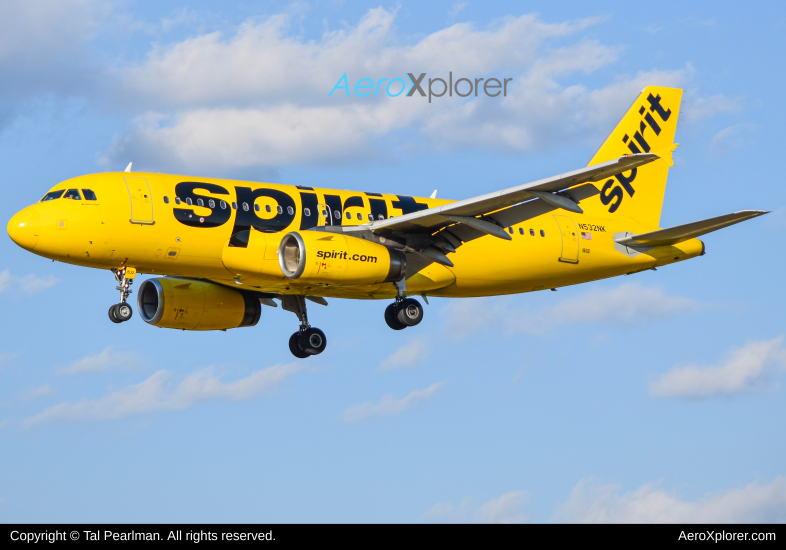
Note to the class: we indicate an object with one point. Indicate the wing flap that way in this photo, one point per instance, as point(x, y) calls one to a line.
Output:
point(680, 233)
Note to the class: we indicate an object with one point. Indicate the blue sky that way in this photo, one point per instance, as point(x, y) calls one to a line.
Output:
point(655, 397)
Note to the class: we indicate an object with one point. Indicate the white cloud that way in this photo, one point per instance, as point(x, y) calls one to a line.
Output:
point(109, 359)
point(754, 503)
point(455, 10)
point(731, 138)
point(44, 53)
point(259, 97)
point(41, 391)
point(35, 31)
point(157, 393)
point(744, 371)
point(696, 109)
point(507, 508)
point(29, 284)
point(389, 406)
point(407, 355)
point(627, 305)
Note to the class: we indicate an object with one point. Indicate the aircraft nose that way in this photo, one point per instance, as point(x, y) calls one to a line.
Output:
point(25, 228)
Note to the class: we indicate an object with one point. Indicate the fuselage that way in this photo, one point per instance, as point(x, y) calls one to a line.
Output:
point(185, 226)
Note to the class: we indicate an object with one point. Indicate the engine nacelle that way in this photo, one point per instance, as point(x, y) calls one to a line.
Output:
point(191, 304)
point(332, 258)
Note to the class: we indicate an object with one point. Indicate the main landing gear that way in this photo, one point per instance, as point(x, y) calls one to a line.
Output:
point(122, 312)
point(404, 312)
point(308, 340)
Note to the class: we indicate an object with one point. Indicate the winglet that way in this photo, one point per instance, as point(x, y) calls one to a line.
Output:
point(666, 154)
point(434, 194)
point(128, 168)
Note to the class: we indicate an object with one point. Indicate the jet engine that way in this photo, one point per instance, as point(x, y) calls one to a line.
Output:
point(331, 258)
point(192, 304)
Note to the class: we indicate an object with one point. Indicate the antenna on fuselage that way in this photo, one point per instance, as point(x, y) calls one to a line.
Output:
point(128, 168)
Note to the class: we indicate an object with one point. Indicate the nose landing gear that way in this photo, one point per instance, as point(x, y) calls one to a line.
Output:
point(308, 340)
point(122, 312)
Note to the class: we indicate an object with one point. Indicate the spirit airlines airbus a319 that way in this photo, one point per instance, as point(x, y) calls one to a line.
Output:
point(220, 249)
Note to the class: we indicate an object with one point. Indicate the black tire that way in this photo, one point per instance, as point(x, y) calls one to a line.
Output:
point(112, 315)
point(410, 312)
point(123, 312)
point(312, 341)
point(391, 320)
point(294, 347)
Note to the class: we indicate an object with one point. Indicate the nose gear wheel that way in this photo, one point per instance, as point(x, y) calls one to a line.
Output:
point(119, 313)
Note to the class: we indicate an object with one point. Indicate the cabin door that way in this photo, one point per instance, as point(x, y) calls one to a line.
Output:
point(141, 200)
point(570, 239)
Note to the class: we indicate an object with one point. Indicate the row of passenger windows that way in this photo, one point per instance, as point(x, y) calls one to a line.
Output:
point(72, 194)
point(531, 231)
point(291, 211)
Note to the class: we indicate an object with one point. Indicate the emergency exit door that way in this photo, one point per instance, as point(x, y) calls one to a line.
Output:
point(141, 200)
point(570, 239)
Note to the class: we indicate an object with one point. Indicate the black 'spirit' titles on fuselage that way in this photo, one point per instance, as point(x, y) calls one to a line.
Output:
point(246, 217)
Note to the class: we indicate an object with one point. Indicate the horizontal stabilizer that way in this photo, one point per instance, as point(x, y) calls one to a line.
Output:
point(680, 233)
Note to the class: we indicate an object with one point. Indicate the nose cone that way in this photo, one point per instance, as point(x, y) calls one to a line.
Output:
point(25, 228)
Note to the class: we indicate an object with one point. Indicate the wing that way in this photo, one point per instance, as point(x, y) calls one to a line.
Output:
point(432, 233)
point(679, 233)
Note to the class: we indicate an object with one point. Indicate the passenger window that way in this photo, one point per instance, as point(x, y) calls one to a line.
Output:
point(349, 215)
point(166, 199)
point(510, 230)
point(256, 207)
point(73, 194)
point(211, 203)
point(521, 230)
point(337, 215)
point(278, 209)
point(324, 213)
point(200, 202)
point(532, 232)
point(189, 202)
point(89, 195)
point(234, 206)
point(53, 195)
point(542, 233)
point(307, 212)
point(177, 200)
point(223, 205)
point(381, 217)
point(290, 211)
point(245, 206)
point(371, 217)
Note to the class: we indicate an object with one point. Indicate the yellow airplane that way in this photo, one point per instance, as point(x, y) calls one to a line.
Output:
point(223, 248)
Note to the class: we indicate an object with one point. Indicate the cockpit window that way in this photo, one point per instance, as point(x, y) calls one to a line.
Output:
point(73, 194)
point(53, 195)
point(89, 195)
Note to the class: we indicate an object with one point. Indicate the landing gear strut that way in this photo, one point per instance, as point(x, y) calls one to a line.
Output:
point(404, 312)
point(308, 340)
point(122, 312)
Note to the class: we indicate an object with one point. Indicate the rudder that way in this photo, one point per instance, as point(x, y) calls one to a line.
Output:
point(647, 127)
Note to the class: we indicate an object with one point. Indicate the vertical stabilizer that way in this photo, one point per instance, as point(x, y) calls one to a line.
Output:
point(647, 127)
